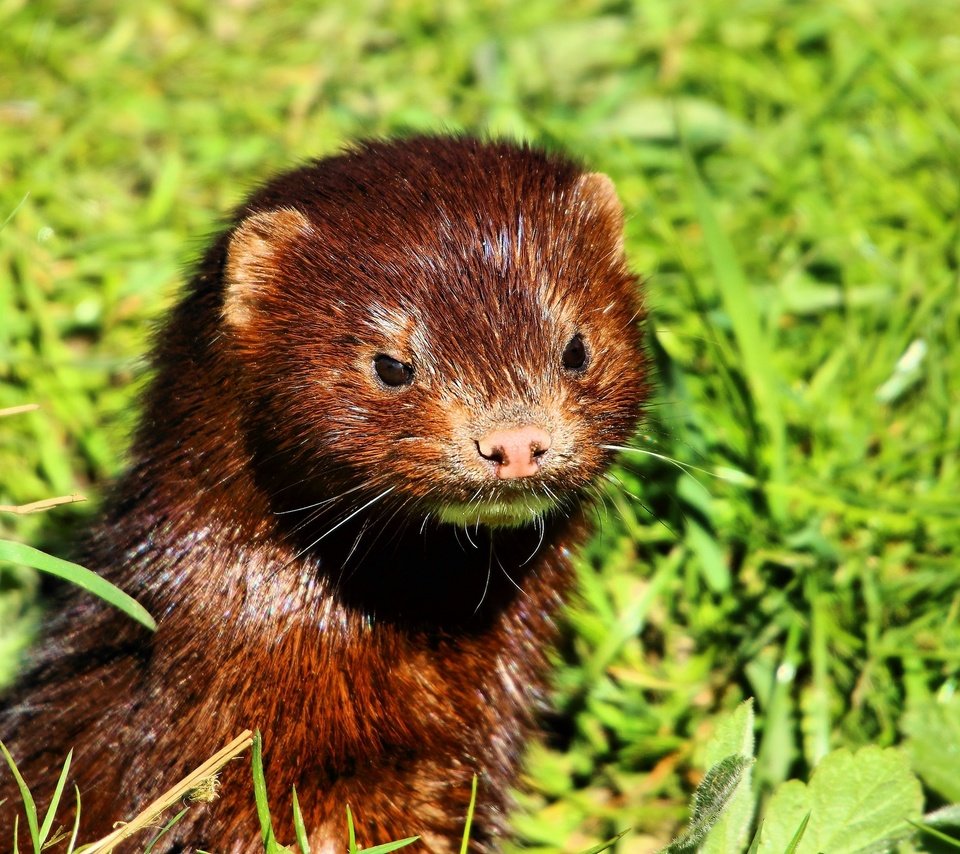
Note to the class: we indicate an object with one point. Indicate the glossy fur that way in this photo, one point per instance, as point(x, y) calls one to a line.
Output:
point(281, 517)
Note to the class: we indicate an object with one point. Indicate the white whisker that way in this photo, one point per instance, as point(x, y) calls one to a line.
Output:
point(733, 477)
point(318, 503)
point(486, 583)
point(344, 521)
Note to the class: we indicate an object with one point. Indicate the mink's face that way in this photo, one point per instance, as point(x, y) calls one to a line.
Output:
point(468, 351)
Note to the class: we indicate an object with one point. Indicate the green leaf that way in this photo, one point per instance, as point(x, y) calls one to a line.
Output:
point(390, 846)
point(709, 801)
point(937, 834)
point(603, 846)
point(29, 807)
point(733, 736)
point(755, 842)
point(55, 800)
point(933, 743)
point(76, 823)
point(27, 556)
point(466, 828)
point(854, 801)
point(164, 830)
point(351, 833)
point(795, 839)
point(740, 305)
point(260, 796)
point(376, 849)
point(654, 119)
point(299, 829)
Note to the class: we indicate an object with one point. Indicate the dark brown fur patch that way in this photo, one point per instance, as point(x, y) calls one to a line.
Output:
point(280, 514)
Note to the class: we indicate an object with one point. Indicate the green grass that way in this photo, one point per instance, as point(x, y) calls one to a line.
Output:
point(791, 176)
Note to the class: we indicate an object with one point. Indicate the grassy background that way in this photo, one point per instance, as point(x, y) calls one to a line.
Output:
point(804, 298)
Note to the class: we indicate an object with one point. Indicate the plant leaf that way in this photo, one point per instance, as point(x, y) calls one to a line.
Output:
point(709, 801)
point(90, 581)
point(260, 796)
point(351, 833)
point(164, 829)
point(603, 846)
point(55, 800)
point(299, 829)
point(755, 842)
point(855, 801)
point(937, 834)
point(740, 305)
point(795, 839)
point(466, 828)
point(76, 823)
point(29, 807)
point(389, 846)
point(733, 736)
point(933, 743)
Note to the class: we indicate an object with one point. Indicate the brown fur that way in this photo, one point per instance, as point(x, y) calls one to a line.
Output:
point(386, 657)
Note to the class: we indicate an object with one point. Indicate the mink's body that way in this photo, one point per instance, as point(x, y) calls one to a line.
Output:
point(351, 503)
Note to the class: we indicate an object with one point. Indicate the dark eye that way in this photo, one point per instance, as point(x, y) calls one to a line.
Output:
point(392, 372)
point(575, 354)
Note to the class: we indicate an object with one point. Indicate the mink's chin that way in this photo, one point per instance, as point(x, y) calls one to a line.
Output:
point(498, 514)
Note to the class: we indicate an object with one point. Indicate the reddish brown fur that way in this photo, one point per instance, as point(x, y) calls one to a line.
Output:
point(383, 671)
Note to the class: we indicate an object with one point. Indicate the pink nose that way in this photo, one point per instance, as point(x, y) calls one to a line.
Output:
point(515, 451)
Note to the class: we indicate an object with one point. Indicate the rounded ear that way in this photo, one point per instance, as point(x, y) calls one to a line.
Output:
point(254, 258)
point(598, 192)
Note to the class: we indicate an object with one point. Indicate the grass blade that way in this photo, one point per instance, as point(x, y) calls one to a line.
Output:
point(164, 829)
point(603, 846)
point(260, 795)
point(76, 824)
point(389, 846)
point(55, 801)
point(466, 827)
point(27, 556)
point(351, 834)
point(795, 842)
point(740, 306)
point(29, 807)
point(300, 830)
point(937, 834)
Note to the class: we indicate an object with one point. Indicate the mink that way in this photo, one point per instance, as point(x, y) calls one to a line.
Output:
point(377, 418)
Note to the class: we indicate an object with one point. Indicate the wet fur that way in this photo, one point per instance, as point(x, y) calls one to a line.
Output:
point(385, 657)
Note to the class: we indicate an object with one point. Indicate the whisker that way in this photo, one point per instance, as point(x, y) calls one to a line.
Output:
point(687, 468)
point(384, 524)
point(344, 521)
point(542, 525)
point(619, 484)
point(318, 503)
point(509, 577)
point(486, 583)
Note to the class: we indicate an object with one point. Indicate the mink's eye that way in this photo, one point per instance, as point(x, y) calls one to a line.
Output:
point(575, 354)
point(391, 371)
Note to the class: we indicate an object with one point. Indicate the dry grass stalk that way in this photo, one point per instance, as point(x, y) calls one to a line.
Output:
point(153, 812)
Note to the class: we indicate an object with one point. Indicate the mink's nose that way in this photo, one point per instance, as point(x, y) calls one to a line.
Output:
point(516, 451)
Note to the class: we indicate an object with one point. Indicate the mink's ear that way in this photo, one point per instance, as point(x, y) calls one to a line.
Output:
point(254, 256)
point(597, 190)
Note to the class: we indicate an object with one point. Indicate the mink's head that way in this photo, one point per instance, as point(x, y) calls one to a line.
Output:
point(447, 322)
